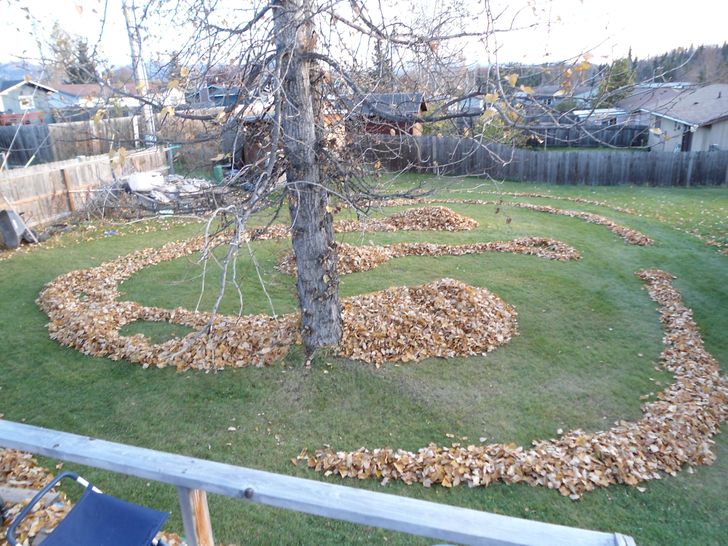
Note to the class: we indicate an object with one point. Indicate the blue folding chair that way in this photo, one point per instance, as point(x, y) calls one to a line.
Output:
point(97, 520)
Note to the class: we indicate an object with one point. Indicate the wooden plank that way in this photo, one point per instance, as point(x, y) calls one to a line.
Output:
point(402, 514)
point(195, 517)
point(71, 204)
point(16, 495)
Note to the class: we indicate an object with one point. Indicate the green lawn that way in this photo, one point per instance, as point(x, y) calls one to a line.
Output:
point(589, 340)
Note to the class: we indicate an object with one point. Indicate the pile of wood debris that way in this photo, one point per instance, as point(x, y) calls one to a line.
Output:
point(675, 430)
point(354, 259)
point(21, 470)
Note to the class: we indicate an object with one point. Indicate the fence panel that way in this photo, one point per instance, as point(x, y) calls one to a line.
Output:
point(44, 193)
point(30, 143)
point(449, 155)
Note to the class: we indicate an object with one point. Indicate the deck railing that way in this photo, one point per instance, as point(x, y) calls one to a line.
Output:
point(194, 478)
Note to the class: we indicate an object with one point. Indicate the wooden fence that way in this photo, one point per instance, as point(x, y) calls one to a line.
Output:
point(25, 143)
point(67, 140)
point(45, 193)
point(194, 478)
point(592, 136)
point(88, 138)
point(462, 156)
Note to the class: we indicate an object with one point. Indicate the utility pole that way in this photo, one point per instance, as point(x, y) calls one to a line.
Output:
point(140, 72)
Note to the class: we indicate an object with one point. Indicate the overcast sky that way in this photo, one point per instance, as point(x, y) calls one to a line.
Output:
point(605, 28)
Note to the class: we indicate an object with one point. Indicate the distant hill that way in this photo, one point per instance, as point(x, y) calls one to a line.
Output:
point(17, 70)
point(704, 64)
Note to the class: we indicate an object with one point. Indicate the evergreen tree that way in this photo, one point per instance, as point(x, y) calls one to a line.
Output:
point(81, 68)
point(382, 72)
point(618, 81)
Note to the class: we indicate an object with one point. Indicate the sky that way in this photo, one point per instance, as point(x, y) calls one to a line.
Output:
point(607, 29)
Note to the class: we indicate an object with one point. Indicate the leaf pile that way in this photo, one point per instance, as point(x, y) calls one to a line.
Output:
point(454, 318)
point(417, 219)
point(18, 469)
point(353, 259)
point(85, 314)
point(580, 200)
point(444, 319)
point(631, 236)
point(675, 430)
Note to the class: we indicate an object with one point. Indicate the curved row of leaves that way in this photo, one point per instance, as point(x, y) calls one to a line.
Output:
point(675, 430)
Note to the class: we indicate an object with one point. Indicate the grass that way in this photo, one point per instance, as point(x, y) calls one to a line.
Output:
point(589, 338)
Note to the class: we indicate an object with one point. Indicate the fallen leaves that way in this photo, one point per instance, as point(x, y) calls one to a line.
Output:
point(18, 469)
point(676, 429)
point(444, 319)
point(416, 219)
point(85, 314)
point(353, 259)
point(630, 235)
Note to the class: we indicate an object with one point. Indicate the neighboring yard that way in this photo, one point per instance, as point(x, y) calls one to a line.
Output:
point(589, 342)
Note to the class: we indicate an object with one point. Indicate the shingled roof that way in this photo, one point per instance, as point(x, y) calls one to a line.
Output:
point(697, 107)
point(392, 104)
point(6, 85)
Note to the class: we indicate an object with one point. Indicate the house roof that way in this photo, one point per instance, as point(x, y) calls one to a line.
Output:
point(468, 105)
point(700, 106)
point(98, 90)
point(7, 85)
point(649, 98)
point(79, 89)
point(391, 104)
point(561, 91)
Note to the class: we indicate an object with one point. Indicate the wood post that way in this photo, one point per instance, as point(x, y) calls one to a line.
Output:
point(69, 195)
point(195, 517)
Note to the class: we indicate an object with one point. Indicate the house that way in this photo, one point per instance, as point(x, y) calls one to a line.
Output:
point(124, 96)
point(209, 95)
point(77, 95)
point(694, 120)
point(24, 102)
point(388, 113)
point(466, 112)
point(605, 117)
point(645, 97)
point(551, 96)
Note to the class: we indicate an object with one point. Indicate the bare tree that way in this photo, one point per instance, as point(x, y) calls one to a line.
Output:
point(289, 86)
point(312, 232)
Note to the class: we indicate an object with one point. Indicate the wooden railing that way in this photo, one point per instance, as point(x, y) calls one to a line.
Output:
point(194, 478)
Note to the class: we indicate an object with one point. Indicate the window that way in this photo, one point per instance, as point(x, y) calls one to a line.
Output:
point(658, 122)
point(678, 127)
point(26, 102)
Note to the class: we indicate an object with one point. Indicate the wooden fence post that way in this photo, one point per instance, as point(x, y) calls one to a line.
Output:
point(195, 517)
point(69, 195)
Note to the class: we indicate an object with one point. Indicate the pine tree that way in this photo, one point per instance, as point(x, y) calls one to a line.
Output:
point(618, 81)
point(81, 68)
point(382, 72)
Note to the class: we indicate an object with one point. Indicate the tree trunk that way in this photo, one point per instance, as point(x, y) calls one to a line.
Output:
point(311, 224)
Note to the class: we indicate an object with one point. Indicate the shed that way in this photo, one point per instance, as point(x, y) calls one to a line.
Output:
point(24, 102)
point(387, 113)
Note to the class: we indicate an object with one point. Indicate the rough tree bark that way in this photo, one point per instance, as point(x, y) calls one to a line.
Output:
point(311, 223)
